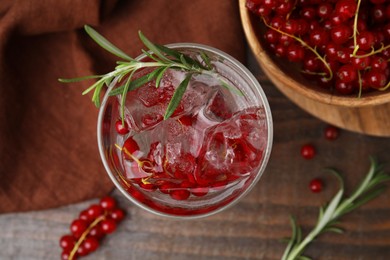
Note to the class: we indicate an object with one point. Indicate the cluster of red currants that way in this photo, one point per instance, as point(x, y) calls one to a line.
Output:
point(343, 45)
point(92, 225)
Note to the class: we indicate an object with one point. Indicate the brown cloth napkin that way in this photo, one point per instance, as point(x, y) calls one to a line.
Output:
point(48, 149)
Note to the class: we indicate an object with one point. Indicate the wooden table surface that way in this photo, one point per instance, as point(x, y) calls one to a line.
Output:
point(253, 228)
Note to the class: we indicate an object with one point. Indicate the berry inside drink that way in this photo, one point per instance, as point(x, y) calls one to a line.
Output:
point(201, 158)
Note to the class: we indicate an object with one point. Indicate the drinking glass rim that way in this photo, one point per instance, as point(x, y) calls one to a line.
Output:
point(267, 152)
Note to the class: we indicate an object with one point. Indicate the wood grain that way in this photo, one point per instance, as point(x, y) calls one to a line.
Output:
point(254, 227)
point(367, 114)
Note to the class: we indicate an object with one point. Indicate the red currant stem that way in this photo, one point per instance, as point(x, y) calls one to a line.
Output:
point(371, 53)
point(313, 73)
point(289, 14)
point(360, 84)
point(305, 45)
point(129, 154)
point(84, 235)
point(140, 164)
point(355, 32)
point(385, 87)
point(145, 180)
point(165, 166)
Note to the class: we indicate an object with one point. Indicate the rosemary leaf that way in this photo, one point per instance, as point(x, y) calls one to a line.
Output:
point(159, 76)
point(134, 84)
point(206, 60)
point(176, 98)
point(177, 55)
point(79, 79)
point(105, 44)
point(230, 88)
point(152, 47)
point(123, 98)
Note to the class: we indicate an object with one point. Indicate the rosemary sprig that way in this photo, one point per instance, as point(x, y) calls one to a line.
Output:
point(339, 206)
point(162, 58)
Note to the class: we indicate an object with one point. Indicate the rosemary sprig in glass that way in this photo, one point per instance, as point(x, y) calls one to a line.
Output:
point(367, 190)
point(161, 57)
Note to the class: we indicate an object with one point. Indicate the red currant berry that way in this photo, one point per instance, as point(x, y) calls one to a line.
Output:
point(378, 63)
point(280, 50)
point(263, 11)
point(199, 191)
point(325, 10)
point(108, 203)
point(67, 242)
point(308, 13)
point(318, 37)
point(285, 7)
point(311, 63)
point(66, 254)
point(340, 34)
point(82, 251)
point(272, 36)
point(347, 73)
point(77, 227)
point(277, 22)
point(361, 63)
point(316, 185)
point(332, 50)
point(166, 187)
point(90, 244)
point(365, 40)
point(376, 79)
point(291, 26)
point(179, 194)
point(308, 151)
point(346, 8)
point(378, 13)
point(331, 132)
point(344, 88)
point(96, 232)
point(108, 226)
point(285, 40)
point(270, 4)
point(94, 211)
point(85, 216)
point(337, 19)
point(344, 55)
point(129, 148)
point(117, 215)
point(295, 53)
point(122, 129)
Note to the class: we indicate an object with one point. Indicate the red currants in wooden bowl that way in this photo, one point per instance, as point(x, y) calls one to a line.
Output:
point(331, 58)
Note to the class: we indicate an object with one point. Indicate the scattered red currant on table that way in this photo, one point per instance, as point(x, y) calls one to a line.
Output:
point(308, 151)
point(316, 185)
point(92, 225)
point(344, 45)
point(331, 132)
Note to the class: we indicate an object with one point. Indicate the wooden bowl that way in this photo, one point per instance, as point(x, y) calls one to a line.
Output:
point(369, 114)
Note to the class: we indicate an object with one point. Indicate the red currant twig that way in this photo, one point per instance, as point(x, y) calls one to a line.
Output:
point(355, 31)
point(385, 87)
point(322, 59)
point(360, 83)
point(84, 235)
point(382, 48)
point(292, 9)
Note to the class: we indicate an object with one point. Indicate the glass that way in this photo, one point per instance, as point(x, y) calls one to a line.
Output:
point(206, 156)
